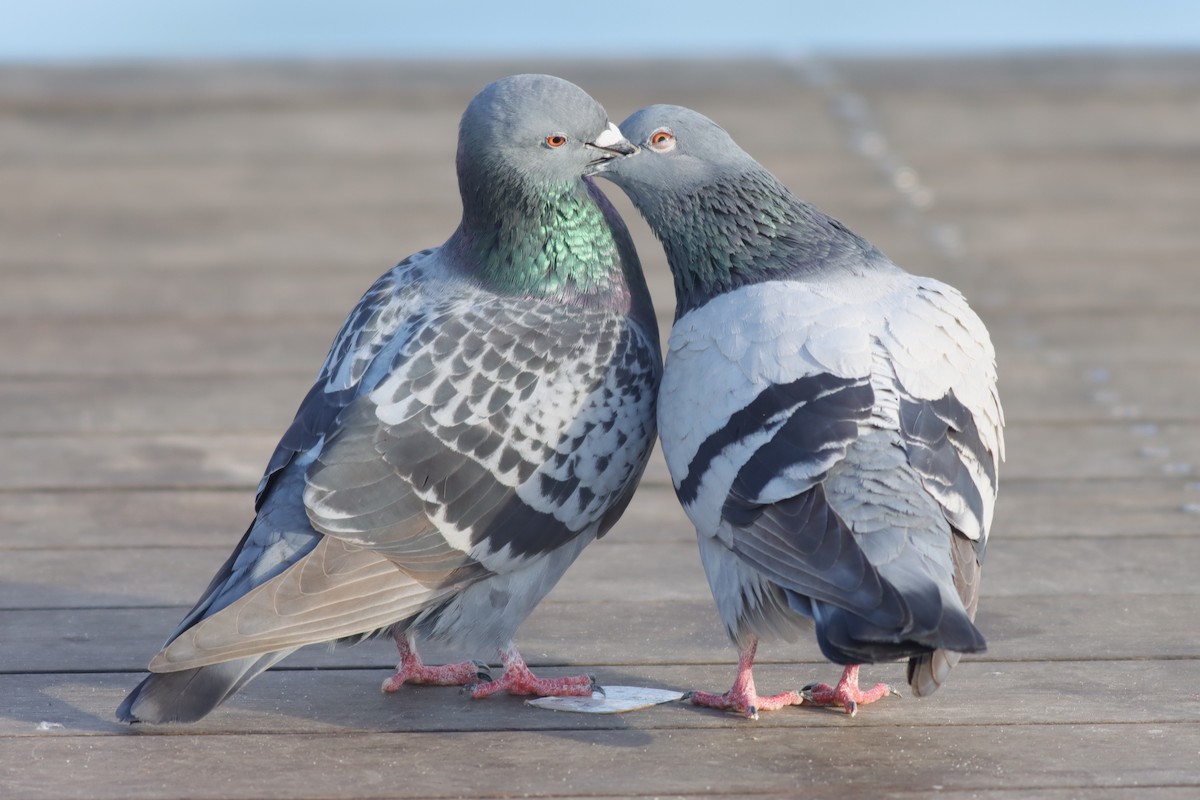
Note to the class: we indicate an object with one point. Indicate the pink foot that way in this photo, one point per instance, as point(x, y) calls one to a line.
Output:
point(412, 670)
point(846, 693)
point(748, 703)
point(517, 679)
point(743, 698)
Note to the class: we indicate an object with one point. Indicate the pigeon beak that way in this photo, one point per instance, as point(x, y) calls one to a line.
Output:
point(610, 144)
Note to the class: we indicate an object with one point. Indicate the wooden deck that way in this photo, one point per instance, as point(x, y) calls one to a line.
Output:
point(179, 244)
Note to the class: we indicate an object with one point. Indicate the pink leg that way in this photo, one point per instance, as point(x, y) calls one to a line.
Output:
point(412, 670)
point(743, 697)
point(517, 679)
point(846, 693)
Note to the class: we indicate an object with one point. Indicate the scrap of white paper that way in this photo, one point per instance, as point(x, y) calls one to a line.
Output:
point(615, 700)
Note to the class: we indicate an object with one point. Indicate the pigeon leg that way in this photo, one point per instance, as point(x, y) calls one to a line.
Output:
point(846, 693)
point(743, 697)
point(517, 679)
point(412, 670)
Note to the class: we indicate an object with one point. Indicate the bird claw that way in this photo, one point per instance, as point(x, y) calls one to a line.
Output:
point(482, 671)
point(752, 713)
point(520, 681)
point(846, 694)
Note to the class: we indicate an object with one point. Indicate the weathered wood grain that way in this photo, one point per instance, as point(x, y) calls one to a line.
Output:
point(298, 701)
point(1077, 627)
point(1043, 451)
point(622, 566)
point(93, 519)
point(89, 520)
point(600, 763)
point(1037, 387)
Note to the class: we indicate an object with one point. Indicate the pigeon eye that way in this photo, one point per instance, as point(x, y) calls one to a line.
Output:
point(556, 140)
point(662, 140)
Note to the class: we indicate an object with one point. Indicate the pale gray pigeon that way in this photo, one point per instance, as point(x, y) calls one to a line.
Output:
point(485, 413)
point(830, 422)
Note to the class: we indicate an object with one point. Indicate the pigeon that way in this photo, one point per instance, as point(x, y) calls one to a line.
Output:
point(485, 412)
point(831, 423)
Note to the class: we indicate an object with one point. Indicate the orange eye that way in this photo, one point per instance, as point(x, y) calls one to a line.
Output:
point(556, 140)
point(661, 138)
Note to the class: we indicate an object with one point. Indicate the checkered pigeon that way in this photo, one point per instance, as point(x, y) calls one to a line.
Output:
point(485, 413)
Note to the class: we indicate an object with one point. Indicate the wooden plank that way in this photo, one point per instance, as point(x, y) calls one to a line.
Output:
point(151, 404)
point(116, 519)
point(111, 519)
point(97, 639)
point(1042, 509)
point(1027, 509)
point(116, 347)
point(1103, 339)
point(162, 346)
point(1045, 389)
point(217, 460)
point(299, 286)
point(615, 568)
point(1098, 452)
point(623, 565)
point(1035, 388)
point(201, 392)
point(299, 701)
point(1049, 451)
point(1015, 123)
point(1062, 282)
point(157, 461)
point(591, 763)
point(1051, 627)
point(1005, 233)
point(210, 219)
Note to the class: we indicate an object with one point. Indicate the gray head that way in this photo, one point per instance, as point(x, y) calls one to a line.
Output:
point(680, 149)
point(723, 219)
point(533, 129)
point(531, 223)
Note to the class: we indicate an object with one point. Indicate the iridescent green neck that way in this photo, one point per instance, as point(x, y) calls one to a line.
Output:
point(555, 243)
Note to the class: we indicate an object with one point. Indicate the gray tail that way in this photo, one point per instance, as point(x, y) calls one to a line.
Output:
point(190, 694)
point(926, 673)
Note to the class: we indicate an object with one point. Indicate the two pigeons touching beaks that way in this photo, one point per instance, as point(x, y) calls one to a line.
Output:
point(830, 423)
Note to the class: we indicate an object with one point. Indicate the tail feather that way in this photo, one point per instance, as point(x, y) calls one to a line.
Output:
point(337, 591)
point(928, 672)
point(938, 622)
point(188, 695)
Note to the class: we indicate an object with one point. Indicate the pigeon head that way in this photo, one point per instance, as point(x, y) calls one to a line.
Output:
point(723, 219)
point(534, 130)
point(532, 223)
point(680, 151)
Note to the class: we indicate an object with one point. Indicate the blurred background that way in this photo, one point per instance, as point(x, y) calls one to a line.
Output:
point(135, 29)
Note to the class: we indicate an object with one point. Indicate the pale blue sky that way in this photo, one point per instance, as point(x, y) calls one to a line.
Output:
point(124, 29)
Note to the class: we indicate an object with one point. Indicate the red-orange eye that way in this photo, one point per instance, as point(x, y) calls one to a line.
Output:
point(556, 140)
point(660, 138)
